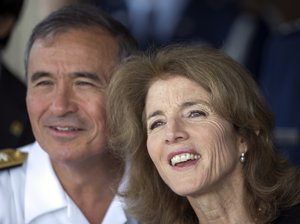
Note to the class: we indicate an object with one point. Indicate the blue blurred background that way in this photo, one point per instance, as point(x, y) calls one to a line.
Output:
point(263, 35)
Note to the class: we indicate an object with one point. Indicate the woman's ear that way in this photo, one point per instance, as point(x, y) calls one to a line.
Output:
point(242, 144)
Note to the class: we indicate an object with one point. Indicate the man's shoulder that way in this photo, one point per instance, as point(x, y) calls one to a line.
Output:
point(12, 170)
point(13, 162)
point(10, 158)
point(12, 183)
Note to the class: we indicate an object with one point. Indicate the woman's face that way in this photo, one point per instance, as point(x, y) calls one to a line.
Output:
point(194, 149)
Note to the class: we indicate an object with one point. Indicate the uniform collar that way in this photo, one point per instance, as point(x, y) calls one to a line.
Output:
point(115, 212)
point(43, 192)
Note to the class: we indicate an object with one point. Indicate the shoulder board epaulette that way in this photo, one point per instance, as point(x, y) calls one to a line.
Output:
point(11, 158)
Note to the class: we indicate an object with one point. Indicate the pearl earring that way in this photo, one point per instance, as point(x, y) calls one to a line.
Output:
point(242, 158)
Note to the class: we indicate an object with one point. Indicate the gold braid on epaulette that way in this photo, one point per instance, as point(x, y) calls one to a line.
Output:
point(11, 158)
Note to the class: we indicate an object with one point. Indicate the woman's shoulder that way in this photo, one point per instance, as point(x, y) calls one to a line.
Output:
point(289, 216)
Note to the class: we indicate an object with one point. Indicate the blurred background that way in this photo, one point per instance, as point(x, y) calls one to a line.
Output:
point(263, 35)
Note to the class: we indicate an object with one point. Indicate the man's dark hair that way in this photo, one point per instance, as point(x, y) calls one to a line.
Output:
point(85, 17)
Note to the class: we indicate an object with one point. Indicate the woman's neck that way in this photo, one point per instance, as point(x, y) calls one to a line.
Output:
point(224, 203)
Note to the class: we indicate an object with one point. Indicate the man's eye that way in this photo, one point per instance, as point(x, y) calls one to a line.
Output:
point(156, 124)
point(197, 113)
point(84, 83)
point(44, 83)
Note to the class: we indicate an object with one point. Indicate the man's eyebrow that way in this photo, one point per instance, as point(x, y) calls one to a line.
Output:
point(37, 75)
point(87, 75)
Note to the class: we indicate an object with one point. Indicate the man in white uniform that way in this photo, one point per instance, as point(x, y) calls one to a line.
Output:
point(70, 175)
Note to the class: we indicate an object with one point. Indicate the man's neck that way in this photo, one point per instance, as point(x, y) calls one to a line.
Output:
point(91, 184)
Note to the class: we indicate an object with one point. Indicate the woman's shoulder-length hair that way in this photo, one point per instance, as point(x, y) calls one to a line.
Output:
point(234, 95)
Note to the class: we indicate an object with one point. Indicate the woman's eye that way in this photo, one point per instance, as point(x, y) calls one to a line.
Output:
point(156, 124)
point(197, 113)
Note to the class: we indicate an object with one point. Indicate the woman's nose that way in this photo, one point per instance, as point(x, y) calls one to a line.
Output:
point(175, 132)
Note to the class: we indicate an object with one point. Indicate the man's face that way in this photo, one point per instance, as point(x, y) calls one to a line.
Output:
point(67, 77)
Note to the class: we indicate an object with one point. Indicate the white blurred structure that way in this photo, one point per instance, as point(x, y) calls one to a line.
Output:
point(33, 11)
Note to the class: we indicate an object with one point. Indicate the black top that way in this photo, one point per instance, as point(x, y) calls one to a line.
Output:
point(289, 216)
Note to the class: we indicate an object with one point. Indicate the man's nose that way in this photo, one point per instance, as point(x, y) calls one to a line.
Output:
point(63, 101)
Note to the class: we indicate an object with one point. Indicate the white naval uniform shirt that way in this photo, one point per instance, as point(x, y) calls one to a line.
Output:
point(32, 194)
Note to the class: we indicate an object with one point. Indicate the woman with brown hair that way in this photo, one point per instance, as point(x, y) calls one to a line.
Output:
point(198, 135)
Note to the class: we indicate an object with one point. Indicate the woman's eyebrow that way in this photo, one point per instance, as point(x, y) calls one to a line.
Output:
point(195, 102)
point(155, 113)
point(183, 106)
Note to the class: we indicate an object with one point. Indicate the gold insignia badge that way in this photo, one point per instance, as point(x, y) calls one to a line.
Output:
point(11, 157)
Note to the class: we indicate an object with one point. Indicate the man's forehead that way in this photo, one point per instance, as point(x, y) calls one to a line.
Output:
point(83, 55)
point(92, 32)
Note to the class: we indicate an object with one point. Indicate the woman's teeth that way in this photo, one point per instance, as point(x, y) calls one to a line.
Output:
point(183, 158)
